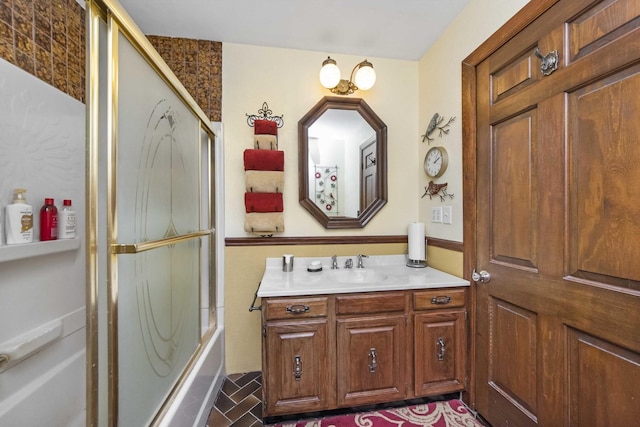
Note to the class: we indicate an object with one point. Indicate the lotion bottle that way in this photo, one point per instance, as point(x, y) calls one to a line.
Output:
point(67, 221)
point(19, 219)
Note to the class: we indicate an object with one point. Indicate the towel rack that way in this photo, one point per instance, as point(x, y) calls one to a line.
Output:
point(253, 303)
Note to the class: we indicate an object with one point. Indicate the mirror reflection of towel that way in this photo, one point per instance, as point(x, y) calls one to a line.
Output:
point(263, 202)
point(264, 181)
point(265, 142)
point(264, 160)
point(264, 223)
point(263, 127)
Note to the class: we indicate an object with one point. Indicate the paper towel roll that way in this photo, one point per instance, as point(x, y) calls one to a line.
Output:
point(416, 241)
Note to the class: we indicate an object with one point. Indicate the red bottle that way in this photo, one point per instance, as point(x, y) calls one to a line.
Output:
point(48, 221)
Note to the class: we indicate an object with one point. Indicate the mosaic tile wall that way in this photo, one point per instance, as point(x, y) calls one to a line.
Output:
point(198, 65)
point(46, 38)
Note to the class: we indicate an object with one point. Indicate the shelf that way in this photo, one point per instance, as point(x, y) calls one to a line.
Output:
point(29, 250)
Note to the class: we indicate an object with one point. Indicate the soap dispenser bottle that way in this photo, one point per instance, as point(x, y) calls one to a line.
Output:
point(19, 219)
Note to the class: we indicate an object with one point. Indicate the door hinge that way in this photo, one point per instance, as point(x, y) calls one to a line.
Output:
point(406, 320)
point(264, 331)
point(466, 315)
point(406, 388)
point(466, 382)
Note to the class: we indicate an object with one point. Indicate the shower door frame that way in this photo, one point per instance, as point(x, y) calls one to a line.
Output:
point(102, 399)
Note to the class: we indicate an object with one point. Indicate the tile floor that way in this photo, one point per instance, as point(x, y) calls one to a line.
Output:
point(239, 403)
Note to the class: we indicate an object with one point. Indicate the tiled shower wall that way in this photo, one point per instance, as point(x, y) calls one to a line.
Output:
point(46, 38)
point(198, 65)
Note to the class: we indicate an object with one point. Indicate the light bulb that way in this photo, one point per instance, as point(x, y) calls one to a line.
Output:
point(329, 74)
point(365, 76)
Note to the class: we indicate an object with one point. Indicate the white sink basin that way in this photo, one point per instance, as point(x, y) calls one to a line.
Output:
point(356, 275)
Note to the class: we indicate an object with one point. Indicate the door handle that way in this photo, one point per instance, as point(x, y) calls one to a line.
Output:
point(549, 62)
point(482, 277)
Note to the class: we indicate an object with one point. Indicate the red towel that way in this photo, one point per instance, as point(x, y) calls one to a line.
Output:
point(263, 202)
point(265, 127)
point(263, 160)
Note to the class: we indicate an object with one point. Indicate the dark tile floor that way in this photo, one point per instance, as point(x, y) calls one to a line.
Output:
point(239, 403)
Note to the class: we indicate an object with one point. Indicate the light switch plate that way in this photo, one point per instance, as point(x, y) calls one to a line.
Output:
point(446, 215)
point(436, 214)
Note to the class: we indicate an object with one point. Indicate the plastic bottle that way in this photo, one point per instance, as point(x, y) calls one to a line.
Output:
point(67, 221)
point(19, 219)
point(48, 221)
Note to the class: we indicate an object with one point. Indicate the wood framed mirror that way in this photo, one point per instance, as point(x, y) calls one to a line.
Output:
point(342, 162)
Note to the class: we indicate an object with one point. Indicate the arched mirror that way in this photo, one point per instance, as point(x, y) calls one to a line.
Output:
point(342, 157)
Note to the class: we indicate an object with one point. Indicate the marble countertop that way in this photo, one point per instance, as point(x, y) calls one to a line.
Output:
point(389, 272)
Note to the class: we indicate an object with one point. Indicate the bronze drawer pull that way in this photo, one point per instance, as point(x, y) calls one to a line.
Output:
point(441, 300)
point(373, 364)
point(441, 348)
point(298, 309)
point(297, 367)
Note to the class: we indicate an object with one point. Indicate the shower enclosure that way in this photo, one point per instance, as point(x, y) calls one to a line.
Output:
point(151, 237)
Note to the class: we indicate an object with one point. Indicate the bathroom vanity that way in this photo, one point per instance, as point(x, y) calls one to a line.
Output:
point(354, 336)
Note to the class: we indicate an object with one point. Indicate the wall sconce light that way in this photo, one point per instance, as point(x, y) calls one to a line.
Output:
point(363, 77)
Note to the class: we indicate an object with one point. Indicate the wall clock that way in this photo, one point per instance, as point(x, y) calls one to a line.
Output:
point(436, 162)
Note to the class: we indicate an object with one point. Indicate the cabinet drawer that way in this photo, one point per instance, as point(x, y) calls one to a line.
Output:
point(438, 298)
point(287, 308)
point(370, 303)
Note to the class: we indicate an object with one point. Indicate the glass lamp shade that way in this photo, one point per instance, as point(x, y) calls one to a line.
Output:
point(329, 74)
point(365, 76)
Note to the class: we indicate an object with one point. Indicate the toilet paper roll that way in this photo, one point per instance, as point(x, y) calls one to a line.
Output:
point(416, 241)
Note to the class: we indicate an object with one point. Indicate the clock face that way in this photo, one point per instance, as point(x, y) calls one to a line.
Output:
point(435, 162)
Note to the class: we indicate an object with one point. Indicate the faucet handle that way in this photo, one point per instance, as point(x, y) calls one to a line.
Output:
point(334, 262)
point(360, 256)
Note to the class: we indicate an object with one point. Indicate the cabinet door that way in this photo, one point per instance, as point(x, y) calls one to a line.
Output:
point(440, 343)
point(371, 359)
point(297, 367)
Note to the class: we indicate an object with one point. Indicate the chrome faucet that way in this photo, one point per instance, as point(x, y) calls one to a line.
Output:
point(348, 263)
point(334, 262)
point(360, 264)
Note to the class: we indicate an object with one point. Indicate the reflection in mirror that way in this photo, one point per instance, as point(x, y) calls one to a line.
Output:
point(342, 155)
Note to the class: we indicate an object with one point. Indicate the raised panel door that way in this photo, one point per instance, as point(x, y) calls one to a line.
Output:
point(371, 359)
point(439, 346)
point(298, 371)
point(557, 221)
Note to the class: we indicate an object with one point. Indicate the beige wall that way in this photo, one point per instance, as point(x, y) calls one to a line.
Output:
point(406, 96)
point(440, 90)
point(287, 80)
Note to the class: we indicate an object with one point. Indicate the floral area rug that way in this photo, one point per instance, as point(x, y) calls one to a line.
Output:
point(436, 414)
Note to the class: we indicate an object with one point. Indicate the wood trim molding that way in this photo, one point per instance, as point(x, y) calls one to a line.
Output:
point(336, 240)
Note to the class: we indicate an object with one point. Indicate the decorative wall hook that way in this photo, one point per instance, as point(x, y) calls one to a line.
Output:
point(439, 190)
point(264, 114)
point(436, 123)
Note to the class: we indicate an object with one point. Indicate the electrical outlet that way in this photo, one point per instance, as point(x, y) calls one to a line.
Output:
point(436, 214)
point(446, 215)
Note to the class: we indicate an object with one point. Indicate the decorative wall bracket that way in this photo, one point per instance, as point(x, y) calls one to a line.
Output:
point(439, 190)
point(264, 114)
point(436, 123)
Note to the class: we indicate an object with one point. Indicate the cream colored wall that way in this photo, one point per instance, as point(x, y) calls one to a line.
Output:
point(287, 80)
point(440, 92)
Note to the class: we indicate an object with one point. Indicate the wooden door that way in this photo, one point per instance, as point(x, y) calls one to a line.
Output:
point(557, 218)
point(298, 369)
point(372, 356)
point(368, 174)
point(440, 346)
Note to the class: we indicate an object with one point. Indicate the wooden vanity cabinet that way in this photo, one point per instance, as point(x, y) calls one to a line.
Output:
point(297, 358)
point(440, 341)
point(346, 350)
